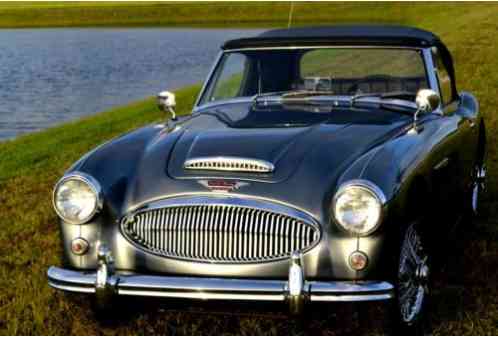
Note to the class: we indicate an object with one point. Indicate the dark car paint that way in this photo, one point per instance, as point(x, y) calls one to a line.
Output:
point(311, 162)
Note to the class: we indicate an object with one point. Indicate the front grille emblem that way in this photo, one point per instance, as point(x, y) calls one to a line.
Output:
point(219, 185)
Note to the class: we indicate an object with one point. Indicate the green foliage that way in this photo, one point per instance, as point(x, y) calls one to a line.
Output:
point(31, 164)
point(351, 63)
point(228, 87)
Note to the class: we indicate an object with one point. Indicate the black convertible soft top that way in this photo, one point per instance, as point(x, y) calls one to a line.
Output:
point(351, 35)
point(341, 34)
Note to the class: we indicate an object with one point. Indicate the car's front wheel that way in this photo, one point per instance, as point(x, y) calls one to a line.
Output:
point(412, 285)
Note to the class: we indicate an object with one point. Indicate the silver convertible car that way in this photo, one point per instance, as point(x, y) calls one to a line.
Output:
point(317, 165)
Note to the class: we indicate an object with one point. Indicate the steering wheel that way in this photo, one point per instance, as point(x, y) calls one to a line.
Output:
point(377, 77)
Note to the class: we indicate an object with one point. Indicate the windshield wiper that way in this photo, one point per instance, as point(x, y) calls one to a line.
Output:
point(306, 93)
point(396, 101)
point(394, 94)
point(257, 97)
point(288, 96)
point(301, 97)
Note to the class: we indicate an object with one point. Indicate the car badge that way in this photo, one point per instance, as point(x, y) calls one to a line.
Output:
point(218, 185)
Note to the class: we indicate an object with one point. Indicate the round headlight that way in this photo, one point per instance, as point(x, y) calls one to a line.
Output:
point(77, 198)
point(357, 207)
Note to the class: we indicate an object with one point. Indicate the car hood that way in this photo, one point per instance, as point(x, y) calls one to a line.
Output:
point(284, 148)
point(289, 138)
point(309, 151)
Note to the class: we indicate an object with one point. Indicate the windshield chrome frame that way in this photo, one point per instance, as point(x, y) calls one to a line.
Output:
point(426, 55)
point(431, 69)
point(209, 78)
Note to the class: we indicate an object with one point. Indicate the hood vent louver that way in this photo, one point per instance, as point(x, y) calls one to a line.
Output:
point(234, 164)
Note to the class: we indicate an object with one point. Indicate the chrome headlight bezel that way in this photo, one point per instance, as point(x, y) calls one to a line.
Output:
point(365, 186)
point(93, 185)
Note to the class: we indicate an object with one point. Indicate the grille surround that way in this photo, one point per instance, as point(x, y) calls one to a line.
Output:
point(298, 221)
point(232, 164)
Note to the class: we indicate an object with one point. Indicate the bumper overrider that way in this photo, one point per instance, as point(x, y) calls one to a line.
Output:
point(106, 282)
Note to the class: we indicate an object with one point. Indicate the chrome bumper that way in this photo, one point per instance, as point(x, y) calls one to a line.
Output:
point(296, 290)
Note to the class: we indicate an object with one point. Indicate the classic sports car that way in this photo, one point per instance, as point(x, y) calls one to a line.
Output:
point(318, 165)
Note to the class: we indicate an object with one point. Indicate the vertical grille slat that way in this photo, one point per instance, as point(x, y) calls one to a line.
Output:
point(179, 247)
point(200, 235)
point(165, 218)
point(219, 233)
point(270, 234)
point(187, 233)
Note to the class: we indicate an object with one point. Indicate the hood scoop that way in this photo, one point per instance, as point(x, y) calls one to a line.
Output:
point(268, 155)
point(232, 164)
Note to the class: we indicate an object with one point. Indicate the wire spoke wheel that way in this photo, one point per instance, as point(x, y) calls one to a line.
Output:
point(413, 277)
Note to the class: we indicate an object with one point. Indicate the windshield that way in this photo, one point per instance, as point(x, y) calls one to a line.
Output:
point(334, 71)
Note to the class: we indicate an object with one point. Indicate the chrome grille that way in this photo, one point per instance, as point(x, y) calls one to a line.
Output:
point(229, 164)
point(218, 232)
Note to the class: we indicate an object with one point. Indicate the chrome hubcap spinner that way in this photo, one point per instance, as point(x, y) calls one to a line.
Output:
point(478, 186)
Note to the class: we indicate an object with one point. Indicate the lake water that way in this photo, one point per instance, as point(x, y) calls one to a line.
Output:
point(48, 76)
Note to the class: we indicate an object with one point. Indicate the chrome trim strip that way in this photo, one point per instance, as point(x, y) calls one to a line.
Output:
point(71, 288)
point(430, 67)
point(359, 287)
point(224, 200)
point(250, 99)
point(198, 106)
point(365, 184)
point(442, 164)
point(69, 280)
point(227, 163)
point(220, 288)
point(245, 99)
point(208, 79)
point(253, 205)
point(349, 298)
point(231, 195)
point(202, 295)
point(336, 46)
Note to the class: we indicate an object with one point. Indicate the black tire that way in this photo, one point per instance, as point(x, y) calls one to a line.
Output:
point(410, 310)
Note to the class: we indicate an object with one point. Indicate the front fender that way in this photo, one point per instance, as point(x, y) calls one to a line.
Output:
point(395, 166)
point(111, 167)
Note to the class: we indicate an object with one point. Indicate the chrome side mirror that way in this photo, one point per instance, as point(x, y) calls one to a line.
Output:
point(166, 102)
point(427, 101)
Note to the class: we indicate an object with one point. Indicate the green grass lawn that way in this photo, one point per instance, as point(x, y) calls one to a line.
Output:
point(46, 14)
point(31, 164)
point(232, 14)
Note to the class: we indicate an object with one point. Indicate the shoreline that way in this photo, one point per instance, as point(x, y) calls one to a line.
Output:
point(90, 130)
